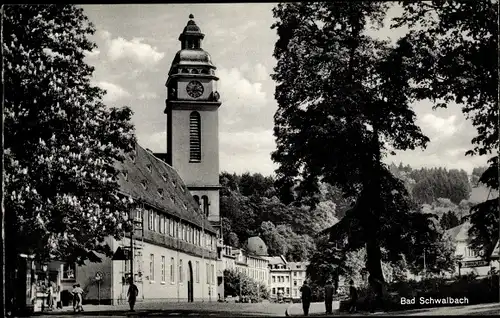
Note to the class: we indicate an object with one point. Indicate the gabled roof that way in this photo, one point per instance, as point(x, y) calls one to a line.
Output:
point(298, 266)
point(460, 232)
point(274, 260)
point(495, 253)
point(153, 182)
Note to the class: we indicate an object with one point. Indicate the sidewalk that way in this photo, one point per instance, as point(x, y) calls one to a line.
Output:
point(318, 309)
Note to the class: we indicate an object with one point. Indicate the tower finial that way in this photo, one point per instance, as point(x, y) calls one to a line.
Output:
point(191, 16)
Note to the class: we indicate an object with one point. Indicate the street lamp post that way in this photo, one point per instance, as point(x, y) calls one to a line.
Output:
point(425, 269)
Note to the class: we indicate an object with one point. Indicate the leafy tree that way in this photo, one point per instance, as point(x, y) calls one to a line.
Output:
point(62, 144)
point(454, 59)
point(449, 220)
point(299, 247)
point(276, 243)
point(233, 240)
point(343, 102)
point(256, 185)
point(432, 184)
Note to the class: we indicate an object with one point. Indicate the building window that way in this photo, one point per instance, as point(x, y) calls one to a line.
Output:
point(150, 220)
point(206, 204)
point(197, 270)
point(172, 270)
point(194, 137)
point(170, 227)
point(294, 283)
point(69, 271)
point(288, 290)
point(295, 292)
point(181, 276)
point(208, 273)
point(163, 268)
point(151, 267)
point(294, 274)
point(288, 279)
point(138, 263)
point(274, 291)
point(212, 273)
point(138, 215)
point(162, 224)
point(274, 279)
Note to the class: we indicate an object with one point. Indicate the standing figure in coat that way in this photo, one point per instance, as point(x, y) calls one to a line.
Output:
point(329, 290)
point(306, 297)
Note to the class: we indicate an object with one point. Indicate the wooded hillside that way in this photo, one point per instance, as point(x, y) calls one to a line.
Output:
point(250, 206)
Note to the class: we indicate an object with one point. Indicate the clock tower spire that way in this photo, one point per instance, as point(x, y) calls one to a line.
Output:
point(192, 120)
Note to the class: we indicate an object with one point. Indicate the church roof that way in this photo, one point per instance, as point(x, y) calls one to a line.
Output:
point(192, 57)
point(256, 246)
point(152, 181)
point(191, 29)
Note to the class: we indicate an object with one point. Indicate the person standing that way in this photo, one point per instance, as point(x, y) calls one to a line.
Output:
point(132, 294)
point(329, 290)
point(77, 297)
point(353, 295)
point(306, 297)
point(50, 296)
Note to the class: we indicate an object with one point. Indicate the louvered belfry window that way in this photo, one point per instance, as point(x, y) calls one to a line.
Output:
point(195, 137)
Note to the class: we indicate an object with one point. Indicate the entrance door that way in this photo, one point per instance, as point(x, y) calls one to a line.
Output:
point(190, 282)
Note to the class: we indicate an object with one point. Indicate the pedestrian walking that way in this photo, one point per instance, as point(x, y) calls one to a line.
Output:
point(353, 295)
point(329, 290)
point(132, 294)
point(77, 298)
point(306, 297)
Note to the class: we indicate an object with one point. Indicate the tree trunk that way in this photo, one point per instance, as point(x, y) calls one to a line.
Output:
point(372, 224)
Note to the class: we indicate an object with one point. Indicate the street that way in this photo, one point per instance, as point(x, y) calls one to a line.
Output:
point(262, 309)
point(177, 309)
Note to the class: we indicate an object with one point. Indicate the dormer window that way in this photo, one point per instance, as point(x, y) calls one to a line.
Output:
point(173, 183)
point(164, 177)
point(125, 175)
point(133, 154)
point(160, 192)
point(148, 167)
point(143, 183)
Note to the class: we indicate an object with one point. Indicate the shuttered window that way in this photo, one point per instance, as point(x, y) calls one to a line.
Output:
point(195, 137)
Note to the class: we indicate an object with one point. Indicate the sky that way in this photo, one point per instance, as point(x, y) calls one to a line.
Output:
point(137, 43)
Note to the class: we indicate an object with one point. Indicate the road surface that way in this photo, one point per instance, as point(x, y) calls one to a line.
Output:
point(262, 309)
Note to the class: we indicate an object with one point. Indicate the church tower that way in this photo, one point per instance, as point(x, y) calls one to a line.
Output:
point(192, 106)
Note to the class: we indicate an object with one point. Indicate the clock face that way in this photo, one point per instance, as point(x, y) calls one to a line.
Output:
point(194, 89)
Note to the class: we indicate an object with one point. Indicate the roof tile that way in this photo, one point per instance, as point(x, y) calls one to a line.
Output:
point(142, 166)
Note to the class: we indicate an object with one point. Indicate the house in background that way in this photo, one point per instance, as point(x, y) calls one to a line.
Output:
point(470, 260)
point(286, 278)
